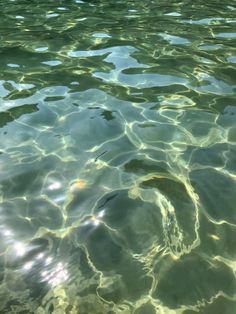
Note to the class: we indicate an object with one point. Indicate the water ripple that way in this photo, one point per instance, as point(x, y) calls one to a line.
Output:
point(117, 157)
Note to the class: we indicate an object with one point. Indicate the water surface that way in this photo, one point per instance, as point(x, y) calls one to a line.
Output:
point(117, 157)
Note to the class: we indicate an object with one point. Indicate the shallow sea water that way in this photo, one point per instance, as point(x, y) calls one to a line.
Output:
point(117, 157)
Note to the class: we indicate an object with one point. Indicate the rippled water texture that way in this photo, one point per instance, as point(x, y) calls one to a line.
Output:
point(117, 157)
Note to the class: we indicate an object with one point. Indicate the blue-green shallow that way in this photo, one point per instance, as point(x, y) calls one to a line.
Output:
point(117, 157)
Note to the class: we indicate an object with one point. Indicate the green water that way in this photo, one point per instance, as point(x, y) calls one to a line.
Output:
point(117, 157)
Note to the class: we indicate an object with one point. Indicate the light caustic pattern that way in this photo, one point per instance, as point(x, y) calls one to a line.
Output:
point(117, 158)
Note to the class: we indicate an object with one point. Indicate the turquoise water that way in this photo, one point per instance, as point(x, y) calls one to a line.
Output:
point(117, 157)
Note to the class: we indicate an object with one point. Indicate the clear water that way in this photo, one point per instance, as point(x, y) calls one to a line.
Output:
point(117, 157)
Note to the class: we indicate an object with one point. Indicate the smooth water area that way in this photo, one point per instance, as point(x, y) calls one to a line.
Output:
point(117, 157)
